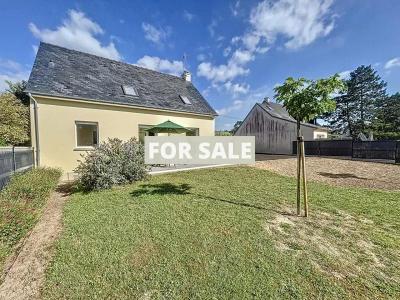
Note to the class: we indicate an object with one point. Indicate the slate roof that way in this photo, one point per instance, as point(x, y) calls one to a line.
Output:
point(278, 111)
point(62, 72)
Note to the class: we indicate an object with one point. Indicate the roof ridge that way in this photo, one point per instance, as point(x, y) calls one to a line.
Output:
point(82, 75)
point(110, 59)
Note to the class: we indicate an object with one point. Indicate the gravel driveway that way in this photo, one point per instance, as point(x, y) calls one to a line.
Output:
point(337, 171)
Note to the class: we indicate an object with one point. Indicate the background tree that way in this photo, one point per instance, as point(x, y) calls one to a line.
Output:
point(305, 100)
point(236, 126)
point(355, 111)
point(223, 133)
point(386, 123)
point(14, 120)
point(18, 90)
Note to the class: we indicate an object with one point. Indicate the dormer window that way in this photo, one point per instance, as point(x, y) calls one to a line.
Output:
point(129, 90)
point(185, 99)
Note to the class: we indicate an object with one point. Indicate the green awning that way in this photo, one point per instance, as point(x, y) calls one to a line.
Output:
point(168, 127)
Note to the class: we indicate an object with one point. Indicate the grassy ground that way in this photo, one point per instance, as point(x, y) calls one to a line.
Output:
point(21, 204)
point(227, 233)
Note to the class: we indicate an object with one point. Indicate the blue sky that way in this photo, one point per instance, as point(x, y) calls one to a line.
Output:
point(237, 51)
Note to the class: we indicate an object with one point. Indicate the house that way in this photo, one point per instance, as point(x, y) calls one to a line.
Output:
point(79, 100)
point(275, 130)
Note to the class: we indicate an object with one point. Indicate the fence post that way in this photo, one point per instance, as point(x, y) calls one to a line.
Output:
point(397, 154)
point(13, 157)
point(352, 148)
point(319, 148)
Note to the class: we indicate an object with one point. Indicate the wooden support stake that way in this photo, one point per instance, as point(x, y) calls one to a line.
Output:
point(303, 165)
point(298, 176)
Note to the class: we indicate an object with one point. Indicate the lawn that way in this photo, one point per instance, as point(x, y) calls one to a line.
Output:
point(227, 233)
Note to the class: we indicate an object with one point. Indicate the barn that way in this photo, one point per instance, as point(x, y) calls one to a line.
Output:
point(274, 129)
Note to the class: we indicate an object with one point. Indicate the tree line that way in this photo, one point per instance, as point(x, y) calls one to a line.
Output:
point(366, 108)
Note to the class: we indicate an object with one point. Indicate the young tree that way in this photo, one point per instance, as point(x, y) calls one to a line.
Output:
point(14, 123)
point(305, 100)
point(355, 111)
point(18, 90)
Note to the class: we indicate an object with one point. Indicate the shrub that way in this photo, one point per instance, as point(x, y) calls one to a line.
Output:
point(113, 162)
point(21, 203)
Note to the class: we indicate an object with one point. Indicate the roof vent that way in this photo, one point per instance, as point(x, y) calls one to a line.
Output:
point(185, 99)
point(129, 90)
point(51, 64)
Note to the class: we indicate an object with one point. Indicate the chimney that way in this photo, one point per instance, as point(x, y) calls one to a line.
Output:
point(187, 76)
point(266, 100)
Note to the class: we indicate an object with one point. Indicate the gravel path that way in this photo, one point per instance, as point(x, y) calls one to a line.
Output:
point(342, 172)
point(26, 275)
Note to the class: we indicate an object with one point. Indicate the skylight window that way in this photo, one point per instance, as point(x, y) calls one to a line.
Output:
point(129, 90)
point(185, 99)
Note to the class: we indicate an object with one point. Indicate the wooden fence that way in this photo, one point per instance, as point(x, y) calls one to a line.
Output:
point(14, 159)
point(387, 150)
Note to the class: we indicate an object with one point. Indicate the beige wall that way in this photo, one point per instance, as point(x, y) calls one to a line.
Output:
point(56, 126)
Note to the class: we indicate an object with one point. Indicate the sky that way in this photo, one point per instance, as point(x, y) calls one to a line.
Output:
point(237, 51)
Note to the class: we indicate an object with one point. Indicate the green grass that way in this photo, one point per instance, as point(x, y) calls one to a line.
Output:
point(21, 203)
point(227, 234)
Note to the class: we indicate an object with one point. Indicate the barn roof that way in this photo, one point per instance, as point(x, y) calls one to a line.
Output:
point(279, 111)
point(62, 72)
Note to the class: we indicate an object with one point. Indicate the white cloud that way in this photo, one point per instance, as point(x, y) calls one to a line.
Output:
point(299, 21)
point(236, 88)
point(188, 16)
point(242, 57)
point(226, 72)
point(211, 27)
point(77, 32)
point(201, 57)
point(239, 108)
point(345, 74)
point(228, 125)
point(220, 73)
point(12, 71)
point(35, 49)
point(156, 35)
point(236, 105)
point(393, 63)
point(162, 65)
point(235, 8)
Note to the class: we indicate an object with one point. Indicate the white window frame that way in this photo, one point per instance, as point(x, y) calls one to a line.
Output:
point(76, 135)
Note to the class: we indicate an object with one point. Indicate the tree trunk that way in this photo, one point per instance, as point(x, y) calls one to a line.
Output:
point(303, 164)
point(298, 167)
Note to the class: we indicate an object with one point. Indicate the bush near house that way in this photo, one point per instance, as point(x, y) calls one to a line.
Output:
point(113, 162)
point(21, 204)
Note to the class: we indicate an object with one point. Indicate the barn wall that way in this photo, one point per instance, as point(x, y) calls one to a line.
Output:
point(272, 135)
